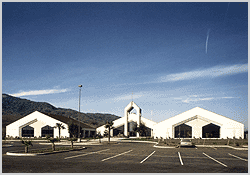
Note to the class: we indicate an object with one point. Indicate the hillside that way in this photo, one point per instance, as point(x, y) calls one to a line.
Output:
point(14, 108)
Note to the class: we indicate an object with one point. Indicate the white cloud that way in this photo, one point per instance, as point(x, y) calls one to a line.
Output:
point(126, 97)
point(194, 99)
point(198, 99)
point(206, 73)
point(39, 92)
point(229, 97)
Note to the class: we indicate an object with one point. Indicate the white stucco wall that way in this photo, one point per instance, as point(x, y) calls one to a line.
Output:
point(229, 128)
point(42, 120)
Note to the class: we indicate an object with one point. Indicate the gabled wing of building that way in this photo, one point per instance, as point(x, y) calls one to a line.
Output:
point(37, 124)
point(196, 123)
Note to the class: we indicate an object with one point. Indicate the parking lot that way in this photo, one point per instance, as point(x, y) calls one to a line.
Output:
point(130, 157)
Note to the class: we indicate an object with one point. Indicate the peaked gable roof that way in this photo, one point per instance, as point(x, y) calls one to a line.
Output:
point(199, 109)
point(62, 119)
point(67, 120)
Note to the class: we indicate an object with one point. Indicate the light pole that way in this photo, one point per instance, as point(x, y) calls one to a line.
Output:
point(79, 139)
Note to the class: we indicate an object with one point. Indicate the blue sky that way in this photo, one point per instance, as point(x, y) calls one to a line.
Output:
point(171, 56)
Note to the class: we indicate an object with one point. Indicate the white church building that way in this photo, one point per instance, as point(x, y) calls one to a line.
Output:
point(194, 123)
point(38, 124)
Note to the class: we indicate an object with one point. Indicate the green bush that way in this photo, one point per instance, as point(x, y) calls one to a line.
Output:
point(215, 143)
point(237, 144)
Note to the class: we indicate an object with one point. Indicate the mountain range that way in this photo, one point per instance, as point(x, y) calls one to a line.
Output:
point(14, 108)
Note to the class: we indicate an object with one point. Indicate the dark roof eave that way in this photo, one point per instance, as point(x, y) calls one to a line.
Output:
point(68, 120)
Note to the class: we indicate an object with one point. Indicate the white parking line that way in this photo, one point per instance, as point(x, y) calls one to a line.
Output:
point(215, 160)
point(85, 154)
point(147, 157)
point(180, 158)
point(237, 157)
point(116, 155)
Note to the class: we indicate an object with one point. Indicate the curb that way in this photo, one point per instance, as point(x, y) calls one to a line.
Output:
point(77, 143)
point(38, 154)
point(221, 146)
point(138, 141)
point(163, 146)
point(6, 146)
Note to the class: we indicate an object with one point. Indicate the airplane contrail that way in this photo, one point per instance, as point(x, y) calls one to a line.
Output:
point(207, 39)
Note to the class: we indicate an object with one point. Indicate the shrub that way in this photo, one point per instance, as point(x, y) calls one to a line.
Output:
point(215, 143)
point(237, 144)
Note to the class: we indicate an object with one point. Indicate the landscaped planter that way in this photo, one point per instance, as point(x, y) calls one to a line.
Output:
point(42, 152)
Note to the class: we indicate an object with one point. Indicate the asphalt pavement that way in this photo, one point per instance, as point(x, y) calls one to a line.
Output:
point(128, 157)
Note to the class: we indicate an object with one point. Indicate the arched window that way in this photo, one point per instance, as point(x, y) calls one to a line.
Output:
point(28, 131)
point(47, 130)
point(211, 131)
point(183, 131)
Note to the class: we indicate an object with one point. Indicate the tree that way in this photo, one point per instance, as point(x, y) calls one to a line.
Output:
point(72, 140)
point(59, 126)
point(73, 131)
point(52, 140)
point(141, 129)
point(109, 126)
point(27, 143)
point(99, 136)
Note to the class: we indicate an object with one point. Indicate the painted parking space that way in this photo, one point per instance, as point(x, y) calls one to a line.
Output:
point(85, 154)
point(146, 156)
point(108, 158)
point(193, 157)
point(135, 157)
point(237, 157)
point(225, 157)
point(215, 160)
point(242, 154)
point(165, 157)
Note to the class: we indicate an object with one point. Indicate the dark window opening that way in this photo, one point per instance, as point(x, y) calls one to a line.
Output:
point(131, 127)
point(118, 131)
point(183, 131)
point(27, 131)
point(47, 130)
point(211, 131)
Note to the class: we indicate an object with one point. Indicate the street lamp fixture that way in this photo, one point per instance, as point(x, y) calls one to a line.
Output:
point(79, 138)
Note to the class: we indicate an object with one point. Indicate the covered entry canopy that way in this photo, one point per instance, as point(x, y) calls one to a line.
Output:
point(125, 124)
